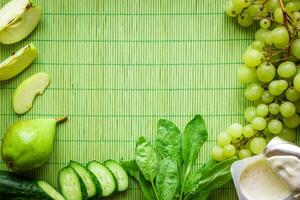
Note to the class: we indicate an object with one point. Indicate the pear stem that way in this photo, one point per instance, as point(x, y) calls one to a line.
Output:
point(61, 119)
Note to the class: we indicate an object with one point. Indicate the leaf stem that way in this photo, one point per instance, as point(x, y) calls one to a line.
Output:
point(154, 189)
point(184, 180)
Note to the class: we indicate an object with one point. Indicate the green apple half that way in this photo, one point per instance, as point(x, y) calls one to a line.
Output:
point(26, 92)
point(17, 62)
point(18, 18)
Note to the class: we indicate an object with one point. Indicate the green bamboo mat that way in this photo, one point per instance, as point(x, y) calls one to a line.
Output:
point(117, 67)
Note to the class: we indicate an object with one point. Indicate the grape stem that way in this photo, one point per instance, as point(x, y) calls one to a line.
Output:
point(286, 16)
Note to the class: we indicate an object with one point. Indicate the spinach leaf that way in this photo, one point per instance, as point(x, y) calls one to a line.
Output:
point(168, 140)
point(146, 158)
point(133, 170)
point(217, 183)
point(212, 176)
point(194, 136)
point(195, 178)
point(167, 180)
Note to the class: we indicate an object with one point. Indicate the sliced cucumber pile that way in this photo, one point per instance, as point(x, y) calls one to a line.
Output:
point(106, 178)
point(96, 180)
point(76, 182)
point(71, 185)
point(90, 181)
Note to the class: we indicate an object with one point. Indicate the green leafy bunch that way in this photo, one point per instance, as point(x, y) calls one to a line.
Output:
point(164, 170)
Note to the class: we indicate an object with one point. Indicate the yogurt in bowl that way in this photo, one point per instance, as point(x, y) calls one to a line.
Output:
point(262, 177)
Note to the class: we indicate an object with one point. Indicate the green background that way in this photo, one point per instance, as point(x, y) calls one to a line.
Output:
point(118, 66)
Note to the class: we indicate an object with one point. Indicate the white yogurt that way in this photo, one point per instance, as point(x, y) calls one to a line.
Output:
point(259, 182)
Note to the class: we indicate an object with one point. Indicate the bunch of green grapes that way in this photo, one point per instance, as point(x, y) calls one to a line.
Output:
point(249, 11)
point(271, 72)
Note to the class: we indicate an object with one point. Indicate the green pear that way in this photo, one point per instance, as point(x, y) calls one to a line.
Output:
point(28, 144)
point(27, 90)
point(17, 62)
point(18, 18)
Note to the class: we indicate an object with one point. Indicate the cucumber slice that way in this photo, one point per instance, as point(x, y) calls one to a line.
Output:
point(119, 173)
point(71, 185)
point(105, 177)
point(90, 181)
point(50, 191)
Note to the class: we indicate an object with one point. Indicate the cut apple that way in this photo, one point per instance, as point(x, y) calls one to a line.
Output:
point(16, 63)
point(18, 18)
point(26, 92)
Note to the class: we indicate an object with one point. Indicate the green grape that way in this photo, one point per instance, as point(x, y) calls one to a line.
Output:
point(235, 130)
point(271, 5)
point(260, 35)
point(297, 82)
point(297, 106)
point(280, 36)
point(288, 134)
point(231, 10)
point(268, 38)
point(277, 87)
point(245, 20)
point(278, 16)
point(255, 10)
point(296, 16)
point(275, 126)
point(241, 3)
point(265, 72)
point(252, 57)
point(235, 140)
point(223, 139)
point(218, 154)
point(286, 69)
point(244, 153)
point(281, 46)
point(274, 108)
point(287, 109)
point(257, 44)
point(267, 97)
point(250, 113)
point(254, 91)
point(248, 131)
point(292, 94)
point(259, 123)
point(292, 122)
point(265, 23)
point(246, 74)
point(262, 110)
point(257, 145)
point(292, 7)
point(229, 150)
point(295, 48)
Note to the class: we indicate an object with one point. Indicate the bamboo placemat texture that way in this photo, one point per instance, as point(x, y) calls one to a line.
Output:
point(118, 66)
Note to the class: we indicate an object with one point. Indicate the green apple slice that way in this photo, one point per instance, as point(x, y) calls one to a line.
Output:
point(18, 18)
point(16, 63)
point(26, 92)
